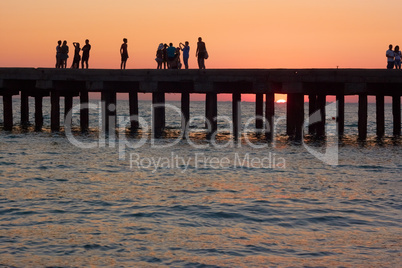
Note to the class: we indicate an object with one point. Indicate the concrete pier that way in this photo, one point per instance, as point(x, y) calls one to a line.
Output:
point(317, 84)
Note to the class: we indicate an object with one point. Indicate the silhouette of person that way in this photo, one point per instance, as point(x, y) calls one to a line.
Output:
point(58, 54)
point(64, 54)
point(171, 53)
point(159, 56)
point(124, 54)
point(85, 54)
point(77, 57)
point(390, 57)
point(201, 53)
point(165, 46)
point(397, 54)
point(175, 61)
point(186, 52)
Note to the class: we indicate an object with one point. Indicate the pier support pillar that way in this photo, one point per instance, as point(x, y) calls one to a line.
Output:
point(38, 113)
point(158, 114)
point(312, 108)
point(236, 115)
point(362, 114)
point(8, 111)
point(269, 116)
point(380, 116)
point(290, 118)
point(68, 105)
point(320, 125)
point(133, 106)
point(396, 113)
point(295, 116)
point(340, 119)
point(212, 113)
point(259, 111)
point(84, 112)
point(55, 111)
point(24, 108)
point(185, 112)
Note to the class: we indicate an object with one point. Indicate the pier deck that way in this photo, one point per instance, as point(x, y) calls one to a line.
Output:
point(296, 83)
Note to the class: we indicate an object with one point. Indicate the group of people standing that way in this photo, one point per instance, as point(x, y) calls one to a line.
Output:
point(166, 56)
point(393, 58)
point(62, 51)
point(169, 56)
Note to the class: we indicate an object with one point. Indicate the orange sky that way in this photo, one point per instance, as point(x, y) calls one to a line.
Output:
point(238, 33)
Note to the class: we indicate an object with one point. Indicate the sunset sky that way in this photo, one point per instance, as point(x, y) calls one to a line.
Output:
point(237, 33)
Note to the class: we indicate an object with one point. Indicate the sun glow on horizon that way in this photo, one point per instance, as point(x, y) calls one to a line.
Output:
point(281, 101)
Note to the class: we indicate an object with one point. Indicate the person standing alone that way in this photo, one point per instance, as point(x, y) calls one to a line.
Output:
point(85, 54)
point(201, 53)
point(390, 58)
point(124, 54)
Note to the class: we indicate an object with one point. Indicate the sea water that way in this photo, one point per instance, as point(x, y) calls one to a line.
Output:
point(192, 203)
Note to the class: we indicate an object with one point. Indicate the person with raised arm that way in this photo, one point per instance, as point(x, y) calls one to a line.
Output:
point(186, 52)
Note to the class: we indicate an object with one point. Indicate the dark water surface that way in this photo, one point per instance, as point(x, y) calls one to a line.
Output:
point(65, 206)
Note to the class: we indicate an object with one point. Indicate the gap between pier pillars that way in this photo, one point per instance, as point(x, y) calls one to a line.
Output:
point(8, 111)
point(362, 117)
point(108, 111)
point(396, 113)
point(55, 111)
point(158, 114)
point(380, 116)
point(68, 105)
point(133, 106)
point(38, 113)
point(84, 112)
point(24, 109)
